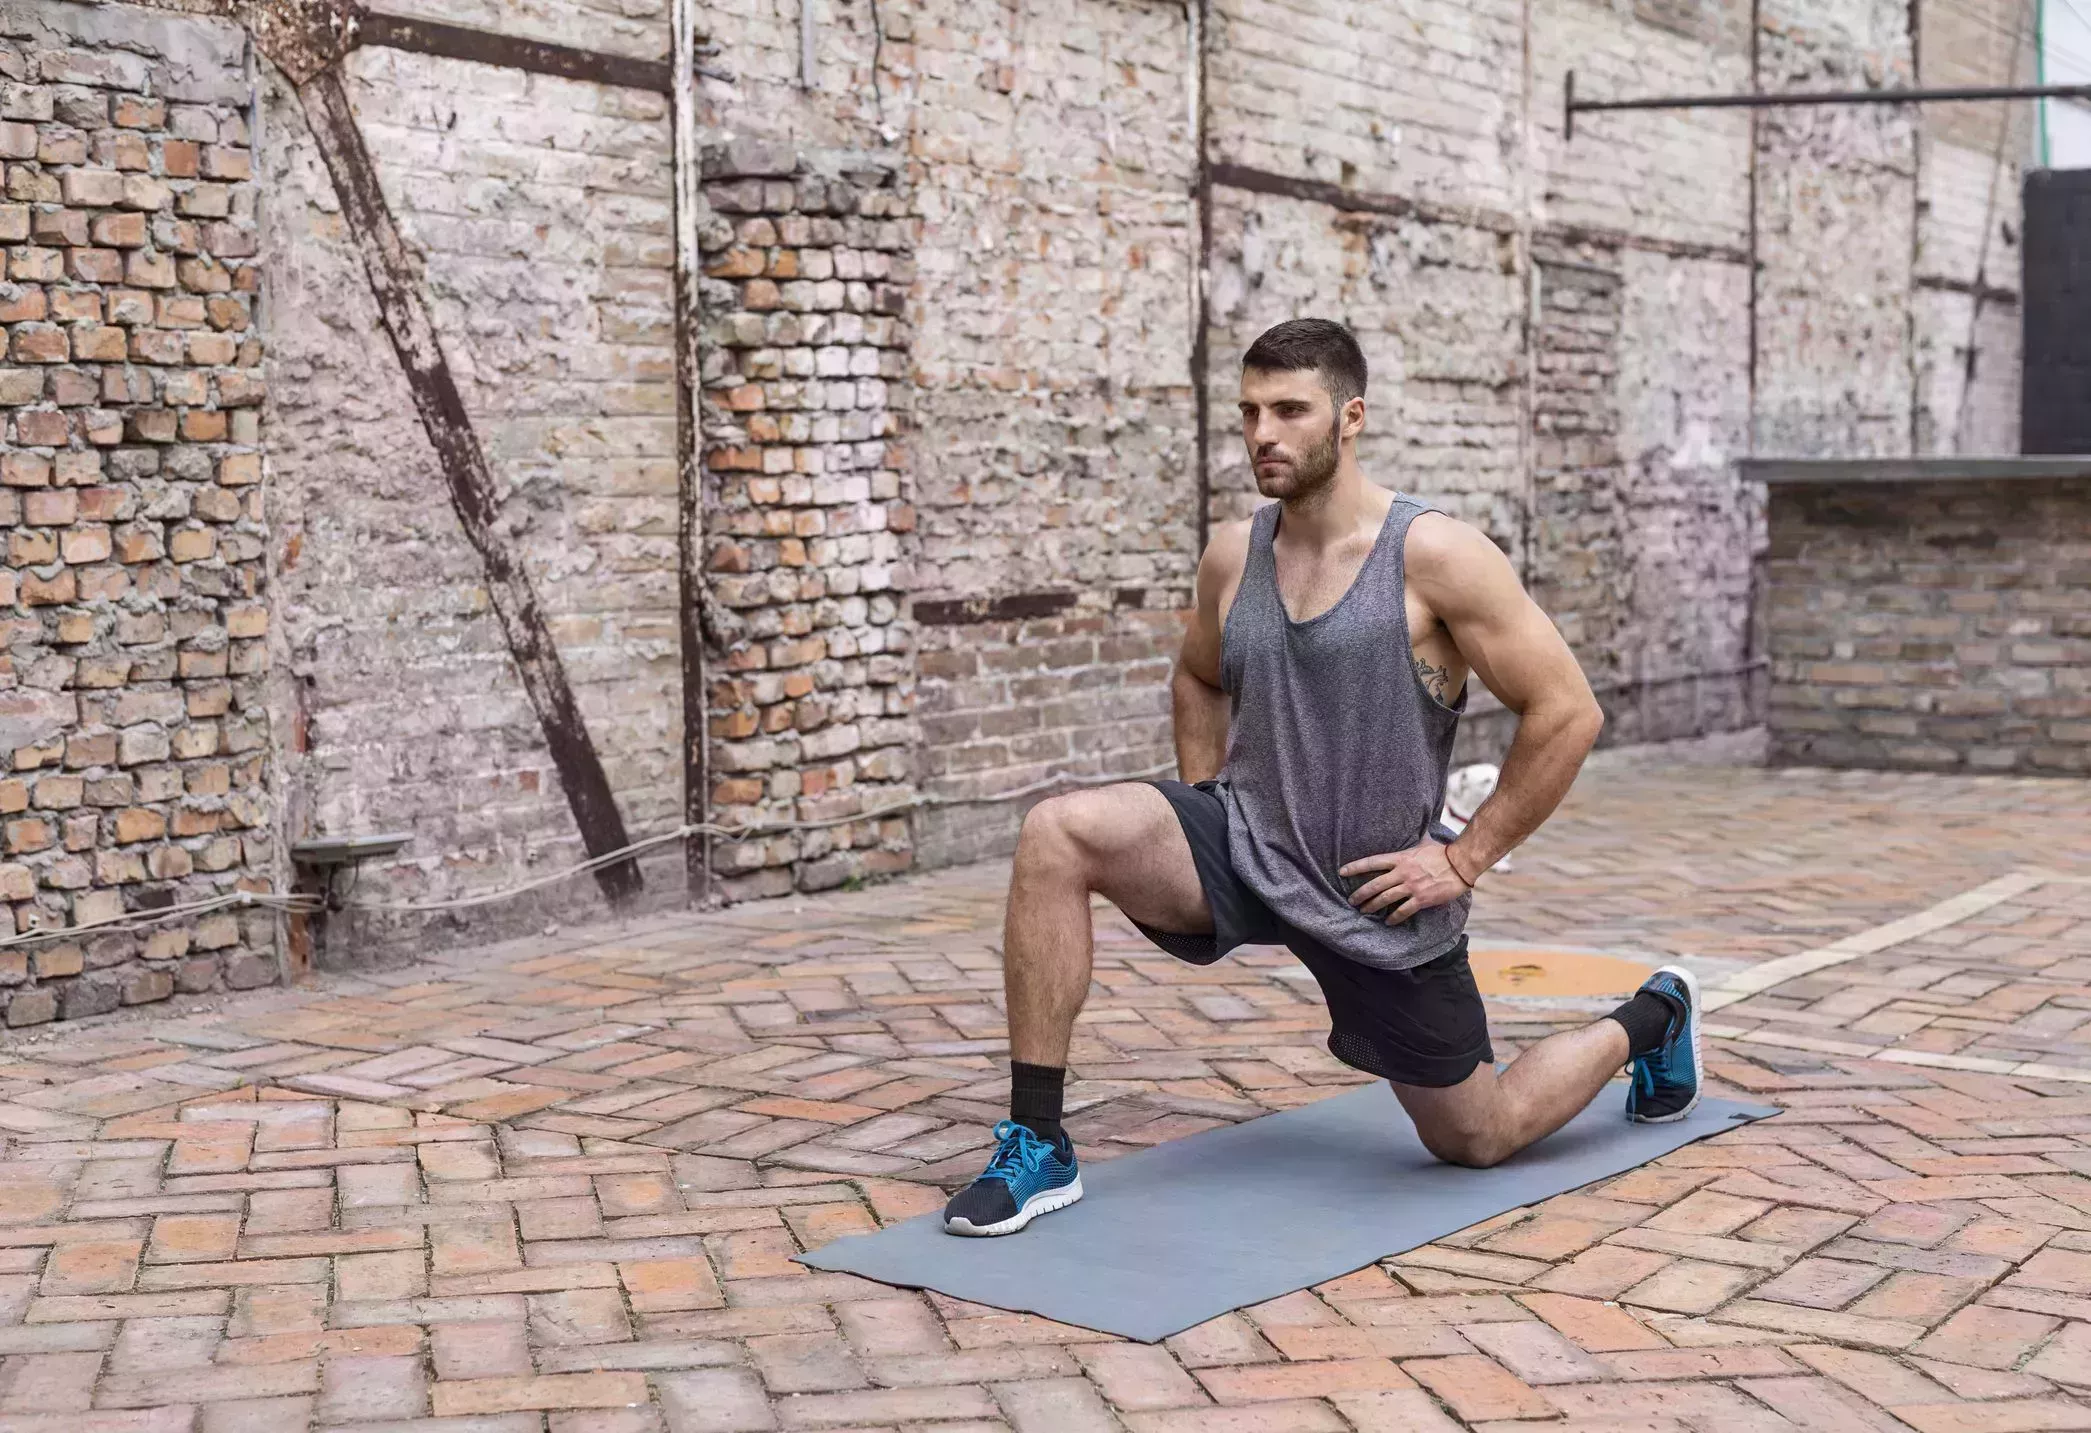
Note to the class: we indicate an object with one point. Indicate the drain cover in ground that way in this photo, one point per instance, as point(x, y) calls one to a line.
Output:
point(1531, 971)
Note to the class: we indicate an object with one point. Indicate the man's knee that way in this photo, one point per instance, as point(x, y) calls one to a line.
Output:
point(1062, 834)
point(1476, 1148)
point(1048, 834)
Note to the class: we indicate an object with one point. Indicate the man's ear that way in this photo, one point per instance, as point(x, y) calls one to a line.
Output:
point(1353, 417)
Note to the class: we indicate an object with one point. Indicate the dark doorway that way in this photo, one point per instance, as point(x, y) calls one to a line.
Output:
point(2056, 417)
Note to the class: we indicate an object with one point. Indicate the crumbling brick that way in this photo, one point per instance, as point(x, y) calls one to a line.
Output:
point(98, 302)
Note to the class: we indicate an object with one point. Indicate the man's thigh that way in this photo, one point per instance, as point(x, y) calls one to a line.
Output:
point(1137, 855)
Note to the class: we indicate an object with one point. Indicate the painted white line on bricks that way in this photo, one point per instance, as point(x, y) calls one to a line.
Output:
point(1762, 977)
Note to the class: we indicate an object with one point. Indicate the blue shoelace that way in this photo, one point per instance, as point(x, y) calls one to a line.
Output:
point(1021, 1152)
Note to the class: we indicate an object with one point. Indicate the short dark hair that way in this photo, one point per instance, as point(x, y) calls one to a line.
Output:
point(1317, 343)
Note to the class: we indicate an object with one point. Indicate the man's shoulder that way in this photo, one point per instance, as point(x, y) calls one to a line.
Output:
point(1227, 547)
point(1435, 536)
point(1453, 563)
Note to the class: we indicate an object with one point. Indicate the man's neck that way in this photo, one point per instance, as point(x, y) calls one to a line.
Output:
point(1336, 513)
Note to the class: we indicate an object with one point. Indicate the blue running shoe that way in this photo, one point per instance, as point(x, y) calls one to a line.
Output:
point(1666, 1080)
point(1027, 1177)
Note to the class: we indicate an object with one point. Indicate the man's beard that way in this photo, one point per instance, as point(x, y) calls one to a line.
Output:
point(1312, 472)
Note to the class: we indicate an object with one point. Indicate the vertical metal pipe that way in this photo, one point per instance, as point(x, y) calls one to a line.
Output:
point(2023, 21)
point(1528, 393)
point(1753, 601)
point(689, 453)
point(1756, 139)
point(1916, 224)
point(1198, 15)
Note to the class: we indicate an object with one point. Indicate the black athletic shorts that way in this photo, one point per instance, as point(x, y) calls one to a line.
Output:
point(1421, 1026)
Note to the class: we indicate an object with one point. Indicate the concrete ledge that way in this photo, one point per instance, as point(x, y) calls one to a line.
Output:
point(1911, 470)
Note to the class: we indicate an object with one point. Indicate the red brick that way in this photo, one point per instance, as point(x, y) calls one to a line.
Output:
point(1603, 1272)
point(1477, 1388)
point(364, 1388)
point(1534, 1352)
point(463, 1351)
point(1346, 1341)
point(1999, 1417)
point(1689, 1286)
point(1925, 1298)
point(1138, 1377)
point(1591, 1324)
point(1821, 1283)
point(1819, 1403)
point(659, 1285)
point(91, 1267)
point(1224, 1340)
point(453, 1399)
point(1746, 1361)
point(192, 1238)
point(1987, 1337)
point(1255, 1383)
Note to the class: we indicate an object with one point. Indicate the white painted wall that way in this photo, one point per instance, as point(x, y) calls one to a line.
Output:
point(2066, 43)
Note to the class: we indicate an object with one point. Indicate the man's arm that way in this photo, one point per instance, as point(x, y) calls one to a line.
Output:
point(1519, 655)
point(1197, 702)
point(1514, 649)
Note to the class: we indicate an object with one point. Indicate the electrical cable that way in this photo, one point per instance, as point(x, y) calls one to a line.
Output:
point(1964, 410)
point(745, 833)
point(2082, 65)
point(2016, 37)
point(133, 920)
point(307, 903)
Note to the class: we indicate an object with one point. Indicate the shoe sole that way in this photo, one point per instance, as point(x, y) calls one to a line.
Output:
point(1037, 1204)
point(1691, 986)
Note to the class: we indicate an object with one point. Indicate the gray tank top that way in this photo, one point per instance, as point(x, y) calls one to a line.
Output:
point(1335, 750)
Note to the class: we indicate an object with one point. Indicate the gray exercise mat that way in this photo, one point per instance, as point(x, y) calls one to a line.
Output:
point(1184, 1232)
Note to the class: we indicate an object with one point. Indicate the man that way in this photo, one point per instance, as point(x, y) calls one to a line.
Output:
point(1316, 698)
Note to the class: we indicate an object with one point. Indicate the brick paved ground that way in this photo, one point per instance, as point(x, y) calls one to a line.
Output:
point(558, 1188)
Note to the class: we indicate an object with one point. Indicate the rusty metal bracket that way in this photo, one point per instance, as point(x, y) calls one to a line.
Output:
point(457, 42)
point(408, 321)
point(306, 40)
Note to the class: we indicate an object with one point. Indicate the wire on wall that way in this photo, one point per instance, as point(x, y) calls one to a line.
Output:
point(308, 903)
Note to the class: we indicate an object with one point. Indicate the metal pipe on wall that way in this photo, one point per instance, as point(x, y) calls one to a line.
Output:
point(688, 162)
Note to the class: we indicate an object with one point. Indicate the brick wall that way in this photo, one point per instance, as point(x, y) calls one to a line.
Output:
point(1051, 164)
point(1836, 212)
point(539, 211)
point(618, 27)
point(135, 587)
point(1941, 625)
point(1421, 98)
point(805, 398)
point(1674, 176)
point(947, 402)
point(1970, 165)
point(1009, 703)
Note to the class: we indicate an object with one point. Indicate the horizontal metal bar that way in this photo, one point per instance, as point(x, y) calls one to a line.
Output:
point(1354, 201)
point(458, 42)
point(1015, 607)
point(1934, 96)
point(1780, 472)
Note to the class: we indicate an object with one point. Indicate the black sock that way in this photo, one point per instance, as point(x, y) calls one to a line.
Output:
point(1646, 1019)
point(1035, 1093)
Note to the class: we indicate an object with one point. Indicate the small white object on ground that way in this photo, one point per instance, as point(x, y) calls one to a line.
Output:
point(1465, 790)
